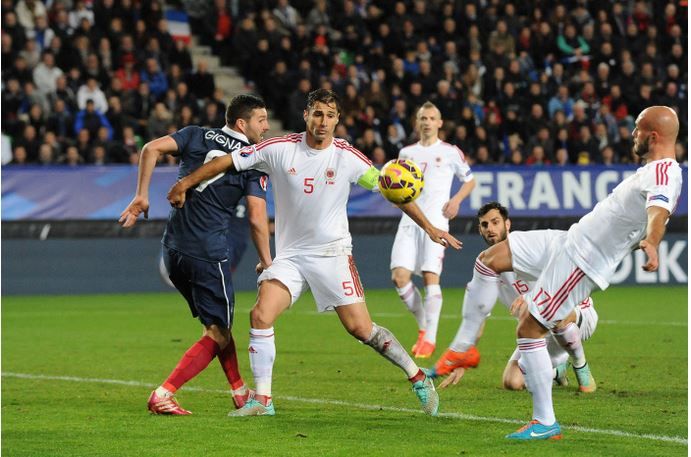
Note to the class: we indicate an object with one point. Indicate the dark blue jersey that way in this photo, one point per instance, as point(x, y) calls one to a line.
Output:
point(200, 228)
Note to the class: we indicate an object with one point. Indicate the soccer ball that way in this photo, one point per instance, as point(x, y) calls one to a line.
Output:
point(401, 181)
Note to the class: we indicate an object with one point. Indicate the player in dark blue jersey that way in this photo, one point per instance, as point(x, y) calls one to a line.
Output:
point(195, 241)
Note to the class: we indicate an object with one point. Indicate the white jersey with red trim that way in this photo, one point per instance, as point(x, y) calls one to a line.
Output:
point(439, 163)
point(311, 189)
point(617, 224)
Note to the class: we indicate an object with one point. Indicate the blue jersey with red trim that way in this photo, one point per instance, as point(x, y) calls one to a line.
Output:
point(201, 227)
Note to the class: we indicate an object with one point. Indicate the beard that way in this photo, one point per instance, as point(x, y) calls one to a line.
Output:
point(642, 149)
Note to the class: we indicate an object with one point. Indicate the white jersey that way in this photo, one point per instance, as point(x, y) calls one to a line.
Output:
point(439, 163)
point(311, 189)
point(617, 224)
point(510, 288)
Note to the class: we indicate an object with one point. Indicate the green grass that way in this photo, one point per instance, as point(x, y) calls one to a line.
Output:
point(638, 356)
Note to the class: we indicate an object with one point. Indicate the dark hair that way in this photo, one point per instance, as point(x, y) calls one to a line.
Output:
point(325, 96)
point(241, 107)
point(486, 208)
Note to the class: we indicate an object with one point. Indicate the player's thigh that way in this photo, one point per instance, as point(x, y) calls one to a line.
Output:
point(334, 281)
point(404, 253)
point(432, 256)
point(558, 290)
point(212, 291)
point(287, 273)
point(530, 250)
point(176, 271)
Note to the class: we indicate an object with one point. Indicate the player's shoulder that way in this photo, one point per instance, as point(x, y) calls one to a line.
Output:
point(278, 141)
point(663, 172)
point(451, 149)
point(341, 145)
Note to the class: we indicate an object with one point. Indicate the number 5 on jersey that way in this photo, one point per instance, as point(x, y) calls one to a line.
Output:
point(309, 185)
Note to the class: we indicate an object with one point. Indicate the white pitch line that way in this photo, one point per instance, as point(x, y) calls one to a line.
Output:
point(319, 401)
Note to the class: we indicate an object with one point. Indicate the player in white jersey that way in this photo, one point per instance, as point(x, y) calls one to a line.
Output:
point(494, 225)
point(568, 266)
point(311, 174)
point(413, 251)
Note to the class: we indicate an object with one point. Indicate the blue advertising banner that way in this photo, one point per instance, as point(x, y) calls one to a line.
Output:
point(49, 193)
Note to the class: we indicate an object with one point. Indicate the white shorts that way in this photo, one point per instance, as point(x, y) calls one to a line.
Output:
point(415, 251)
point(334, 281)
point(560, 285)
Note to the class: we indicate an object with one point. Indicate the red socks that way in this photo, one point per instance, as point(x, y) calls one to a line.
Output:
point(193, 362)
point(228, 358)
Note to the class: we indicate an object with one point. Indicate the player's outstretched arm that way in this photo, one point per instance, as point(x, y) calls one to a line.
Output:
point(450, 208)
point(657, 218)
point(147, 162)
point(176, 194)
point(259, 228)
point(437, 235)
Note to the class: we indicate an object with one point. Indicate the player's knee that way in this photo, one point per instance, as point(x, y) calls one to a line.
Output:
point(513, 383)
point(259, 318)
point(220, 335)
point(400, 277)
point(359, 330)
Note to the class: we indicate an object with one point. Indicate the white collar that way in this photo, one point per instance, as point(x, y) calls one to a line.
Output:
point(240, 136)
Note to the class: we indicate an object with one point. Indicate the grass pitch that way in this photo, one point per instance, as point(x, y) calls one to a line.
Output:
point(77, 370)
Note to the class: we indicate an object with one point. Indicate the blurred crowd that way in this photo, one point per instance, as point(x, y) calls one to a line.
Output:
point(523, 82)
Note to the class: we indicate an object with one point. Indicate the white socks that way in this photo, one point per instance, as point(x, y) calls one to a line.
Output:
point(433, 302)
point(410, 295)
point(570, 339)
point(537, 370)
point(262, 349)
point(385, 343)
point(480, 296)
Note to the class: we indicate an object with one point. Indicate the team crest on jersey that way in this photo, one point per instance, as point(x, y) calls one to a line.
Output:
point(330, 176)
point(438, 159)
point(264, 182)
point(247, 151)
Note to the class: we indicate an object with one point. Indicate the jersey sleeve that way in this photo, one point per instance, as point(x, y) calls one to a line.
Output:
point(662, 185)
point(183, 137)
point(253, 157)
point(359, 166)
point(460, 167)
point(256, 184)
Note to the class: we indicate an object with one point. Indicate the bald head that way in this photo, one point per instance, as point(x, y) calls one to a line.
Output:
point(660, 119)
point(656, 133)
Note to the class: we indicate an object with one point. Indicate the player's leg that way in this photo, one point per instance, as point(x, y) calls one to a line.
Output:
point(478, 301)
point(356, 320)
point(203, 285)
point(432, 307)
point(279, 286)
point(512, 378)
point(568, 334)
point(403, 264)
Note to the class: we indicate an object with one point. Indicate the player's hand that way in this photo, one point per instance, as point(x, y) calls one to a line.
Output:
point(450, 209)
point(176, 194)
point(517, 306)
point(651, 253)
point(444, 238)
point(137, 206)
point(260, 268)
point(453, 378)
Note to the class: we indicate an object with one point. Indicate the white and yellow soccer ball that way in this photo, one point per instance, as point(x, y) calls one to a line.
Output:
point(401, 181)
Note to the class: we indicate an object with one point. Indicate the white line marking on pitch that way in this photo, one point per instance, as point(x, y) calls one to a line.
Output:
point(462, 416)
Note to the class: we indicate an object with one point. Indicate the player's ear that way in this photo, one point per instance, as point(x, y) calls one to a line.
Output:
point(305, 114)
point(508, 225)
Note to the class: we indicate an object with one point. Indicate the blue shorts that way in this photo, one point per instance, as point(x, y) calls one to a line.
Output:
point(207, 287)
